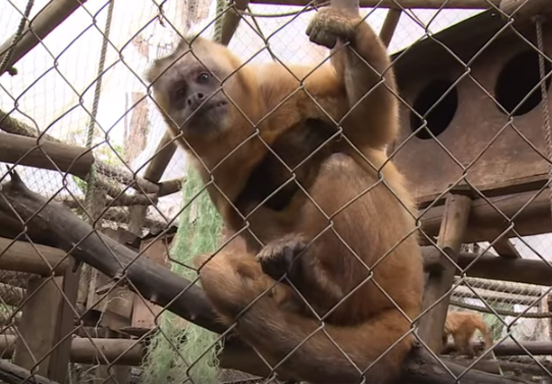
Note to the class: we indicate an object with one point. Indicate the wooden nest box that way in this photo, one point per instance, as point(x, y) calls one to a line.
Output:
point(478, 71)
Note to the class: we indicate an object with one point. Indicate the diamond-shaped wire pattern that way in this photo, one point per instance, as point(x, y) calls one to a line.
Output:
point(80, 127)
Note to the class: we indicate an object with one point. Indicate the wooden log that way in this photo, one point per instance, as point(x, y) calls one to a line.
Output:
point(485, 220)
point(45, 154)
point(89, 350)
point(163, 155)
point(171, 186)
point(510, 348)
point(49, 17)
point(162, 287)
point(11, 125)
point(400, 4)
point(32, 258)
point(144, 314)
point(13, 374)
point(505, 248)
point(436, 299)
point(85, 350)
point(389, 25)
point(119, 201)
point(489, 266)
point(525, 9)
point(38, 328)
point(231, 20)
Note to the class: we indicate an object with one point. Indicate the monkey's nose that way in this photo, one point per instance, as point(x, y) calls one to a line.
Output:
point(195, 100)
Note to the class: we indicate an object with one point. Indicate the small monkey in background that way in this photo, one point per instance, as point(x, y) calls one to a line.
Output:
point(324, 206)
point(462, 326)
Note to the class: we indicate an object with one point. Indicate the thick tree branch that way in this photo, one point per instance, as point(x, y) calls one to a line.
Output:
point(162, 287)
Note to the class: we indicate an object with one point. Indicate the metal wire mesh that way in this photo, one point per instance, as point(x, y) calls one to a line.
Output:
point(83, 85)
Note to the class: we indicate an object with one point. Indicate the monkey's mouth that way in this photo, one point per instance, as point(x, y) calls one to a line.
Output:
point(213, 105)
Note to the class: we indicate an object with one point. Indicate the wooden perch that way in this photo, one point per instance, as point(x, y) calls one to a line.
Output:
point(163, 287)
point(14, 126)
point(45, 154)
point(32, 258)
point(13, 374)
point(49, 17)
point(401, 4)
point(489, 266)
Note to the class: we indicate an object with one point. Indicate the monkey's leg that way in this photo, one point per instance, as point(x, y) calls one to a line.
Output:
point(297, 342)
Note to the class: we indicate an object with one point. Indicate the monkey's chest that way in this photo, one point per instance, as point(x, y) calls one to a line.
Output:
point(289, 167)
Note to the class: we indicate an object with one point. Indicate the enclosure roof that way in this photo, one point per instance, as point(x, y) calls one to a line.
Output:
point(464, 40)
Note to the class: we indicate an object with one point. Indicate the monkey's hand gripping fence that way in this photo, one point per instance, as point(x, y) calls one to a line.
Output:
point(471, 146)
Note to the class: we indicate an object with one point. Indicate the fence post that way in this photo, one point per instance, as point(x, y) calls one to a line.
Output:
point(451, 235)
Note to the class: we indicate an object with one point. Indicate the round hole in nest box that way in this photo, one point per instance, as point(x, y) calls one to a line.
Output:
point(519, 76)
point(437, 104)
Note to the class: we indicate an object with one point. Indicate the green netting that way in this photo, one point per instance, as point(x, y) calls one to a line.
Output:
point(187, 355)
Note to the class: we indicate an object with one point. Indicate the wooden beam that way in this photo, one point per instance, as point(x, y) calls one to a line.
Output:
point(37, 259)
point(48, 19)
point(485, 220)
point(231, 20)
point(38, 328)
point(45, 154)
point(489, 266)
point(153, 173)
point(400, 4)
point(86, 350)
point(436, 300)
point(389, 25)
point(505, 248)
point(525, 9)
point(170, 186)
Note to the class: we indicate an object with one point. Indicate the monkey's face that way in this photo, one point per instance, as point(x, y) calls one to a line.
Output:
point(192, 99)
point(189, 89)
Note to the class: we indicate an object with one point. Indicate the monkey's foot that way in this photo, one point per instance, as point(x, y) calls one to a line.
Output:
point(329, 25)
point(277, 257)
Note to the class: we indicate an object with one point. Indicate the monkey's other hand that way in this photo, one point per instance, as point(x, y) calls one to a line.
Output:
point(329, 25)
point(277, 257)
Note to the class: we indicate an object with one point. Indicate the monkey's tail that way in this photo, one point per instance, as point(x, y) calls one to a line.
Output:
point(299, 346)
point(487, 337)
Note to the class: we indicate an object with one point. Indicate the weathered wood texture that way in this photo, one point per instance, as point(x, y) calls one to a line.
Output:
point(103, 351)
point(402, 4)
point(32, 258)
point(436, 301)
point(52, 15)
point(39, 329)
point(45, 154)
point(145, 314)
point(487, 218)
point(475, 138)
point(175, 293)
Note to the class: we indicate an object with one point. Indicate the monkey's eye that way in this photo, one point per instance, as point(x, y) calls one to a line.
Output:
point(203, 78)
point(180, 92)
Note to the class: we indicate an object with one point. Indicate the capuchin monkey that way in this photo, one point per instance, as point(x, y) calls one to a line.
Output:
point(324, 273)
point(462, 326)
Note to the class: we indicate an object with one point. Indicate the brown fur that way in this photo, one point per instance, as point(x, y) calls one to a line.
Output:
point(359, 191)
point(462, 326)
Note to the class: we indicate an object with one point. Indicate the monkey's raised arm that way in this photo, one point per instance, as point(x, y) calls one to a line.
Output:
point(364, 69)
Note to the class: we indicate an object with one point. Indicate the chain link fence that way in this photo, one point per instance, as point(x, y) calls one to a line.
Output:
point(103, 211)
